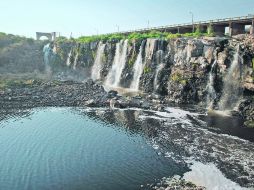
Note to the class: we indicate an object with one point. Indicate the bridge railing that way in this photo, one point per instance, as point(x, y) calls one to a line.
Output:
point(214, 21)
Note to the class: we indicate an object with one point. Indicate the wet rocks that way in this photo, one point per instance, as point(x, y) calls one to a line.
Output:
point(246, 110)
point(54, 93)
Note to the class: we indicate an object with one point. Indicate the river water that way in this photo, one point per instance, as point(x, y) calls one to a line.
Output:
point(99, 148)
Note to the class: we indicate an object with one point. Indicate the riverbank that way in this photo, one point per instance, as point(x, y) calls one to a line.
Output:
point(41, 93)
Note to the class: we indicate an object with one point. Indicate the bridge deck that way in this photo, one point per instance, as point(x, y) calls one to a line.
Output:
point(243, 20)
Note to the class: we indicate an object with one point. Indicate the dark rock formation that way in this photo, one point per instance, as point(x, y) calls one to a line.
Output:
point(177, 69)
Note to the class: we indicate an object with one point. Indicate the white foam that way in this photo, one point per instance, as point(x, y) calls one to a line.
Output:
point(209, 176)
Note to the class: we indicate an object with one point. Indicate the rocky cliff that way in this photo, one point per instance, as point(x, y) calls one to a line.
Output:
point(214, 72)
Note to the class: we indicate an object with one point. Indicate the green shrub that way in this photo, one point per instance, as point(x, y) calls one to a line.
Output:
point(177, 77)
point(253, 63)
point(147, 70)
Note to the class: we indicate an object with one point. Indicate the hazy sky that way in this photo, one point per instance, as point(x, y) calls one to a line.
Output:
point(86, 17)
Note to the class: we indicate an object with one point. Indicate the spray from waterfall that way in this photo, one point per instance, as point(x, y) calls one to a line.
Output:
point(232, 85)
point(211, 93)
point(98, 62)
point(114, 75)
point(160, 66)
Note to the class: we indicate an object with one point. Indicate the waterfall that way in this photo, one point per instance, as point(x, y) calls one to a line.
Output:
point(210, 87)
point(160, 66)
point(139, 64)
point(232, 85)
point(138, 70)
point(47, 53)
point(75, 61)
point(68, 62)
point(97, 66)
point(114, 75)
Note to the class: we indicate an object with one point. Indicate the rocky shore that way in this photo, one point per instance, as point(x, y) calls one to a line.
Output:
point(69, 93)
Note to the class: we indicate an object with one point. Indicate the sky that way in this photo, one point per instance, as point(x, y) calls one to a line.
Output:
point(90, 17)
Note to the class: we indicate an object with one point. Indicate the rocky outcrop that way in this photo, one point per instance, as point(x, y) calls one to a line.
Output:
point(185, 63)
point(179, 70)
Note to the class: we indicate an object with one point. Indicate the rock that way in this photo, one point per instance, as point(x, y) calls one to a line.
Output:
point(249, 124)
point(112, 93)
point(249, 83)
point(145, 105)
point(134, 102)
point(123, 103)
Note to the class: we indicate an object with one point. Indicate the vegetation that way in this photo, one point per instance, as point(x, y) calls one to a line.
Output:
point(210, 30)
point(253, 64)
point(142, 36)
point(147, 70)
point(9, 39)
point(177, 77)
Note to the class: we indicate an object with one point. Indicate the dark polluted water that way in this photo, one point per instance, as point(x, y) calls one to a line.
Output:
point(74, 148)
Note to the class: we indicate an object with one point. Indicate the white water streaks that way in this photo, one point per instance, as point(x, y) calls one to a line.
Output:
point(46, 51)
point(138, 70)
point(160, 66)
point(232, 82)
point(211, 95)
point(114, 75)
point(68, 61)
point(75, 61)
point(140, 64)
point(97, 66)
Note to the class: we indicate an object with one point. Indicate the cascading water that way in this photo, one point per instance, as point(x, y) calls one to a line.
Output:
point(97, 66)
point(47, 51)
point(75, 61)
point(68, 61)
point(160, 66)
point(139, 64)
point(210, 88)
point(138, 69)
point(232, 85)
point(114, 75)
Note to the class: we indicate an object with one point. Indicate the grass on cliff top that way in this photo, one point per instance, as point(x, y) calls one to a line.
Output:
point(142, 36)
point(8, 39)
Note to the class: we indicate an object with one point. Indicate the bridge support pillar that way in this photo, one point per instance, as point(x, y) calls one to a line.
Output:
point(252, 28)
point(219, 30)
point(235, 29)
point(203, 28)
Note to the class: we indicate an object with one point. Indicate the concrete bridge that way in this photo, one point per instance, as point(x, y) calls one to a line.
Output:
point(233, 26)
point(51, 36)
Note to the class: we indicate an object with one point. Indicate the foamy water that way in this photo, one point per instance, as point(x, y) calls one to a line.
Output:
point(209, 176)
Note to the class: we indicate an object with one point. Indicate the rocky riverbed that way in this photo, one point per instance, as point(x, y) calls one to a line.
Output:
point(58, 93)
point(37, 93)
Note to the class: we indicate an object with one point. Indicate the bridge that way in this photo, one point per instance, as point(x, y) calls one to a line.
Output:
point(51, 36)
point(234, 26)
